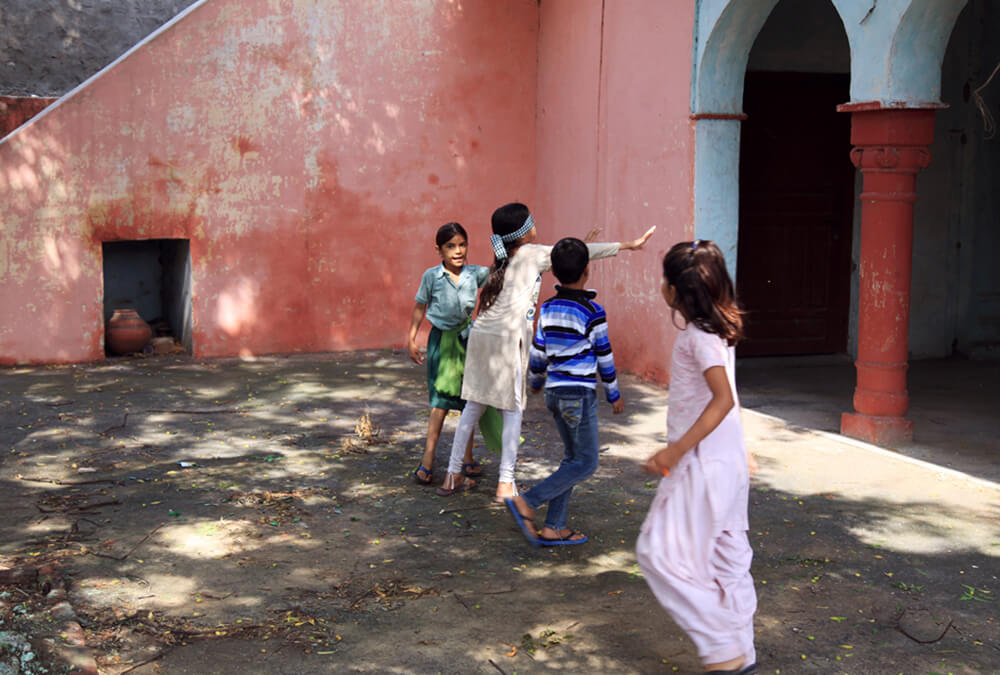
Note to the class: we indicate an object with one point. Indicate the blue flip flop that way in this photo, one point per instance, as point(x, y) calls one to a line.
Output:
point(563, 541)
point(519, 519)
point(428, 472)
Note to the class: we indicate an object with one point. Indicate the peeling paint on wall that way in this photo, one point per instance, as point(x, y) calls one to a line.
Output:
point(291, 144)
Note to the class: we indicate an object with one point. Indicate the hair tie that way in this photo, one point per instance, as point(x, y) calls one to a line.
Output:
point(694, 245)
point(498, 240)
point(499, 250)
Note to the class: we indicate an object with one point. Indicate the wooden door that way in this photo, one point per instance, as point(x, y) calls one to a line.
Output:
point(796, 203)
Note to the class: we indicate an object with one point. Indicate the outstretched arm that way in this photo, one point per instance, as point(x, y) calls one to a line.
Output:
point(637, 244)
point(415, 318)
point(722, 402)
point(601, 250)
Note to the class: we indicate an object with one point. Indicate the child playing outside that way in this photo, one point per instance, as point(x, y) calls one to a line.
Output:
point(693, 547)
point(570, 348)
point(498, 342)
point(447, 296)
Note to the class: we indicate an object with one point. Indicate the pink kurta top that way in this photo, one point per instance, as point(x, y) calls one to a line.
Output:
point(721, 456)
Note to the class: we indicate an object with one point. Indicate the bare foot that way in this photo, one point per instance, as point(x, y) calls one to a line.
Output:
point(523, 507)
point(505, 491)
point(454, 483)
point(733, 664)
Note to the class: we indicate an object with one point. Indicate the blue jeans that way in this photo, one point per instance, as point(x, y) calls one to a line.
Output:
point(575, 413)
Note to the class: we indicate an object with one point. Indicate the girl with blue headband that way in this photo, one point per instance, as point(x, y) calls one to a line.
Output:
point(497, 353)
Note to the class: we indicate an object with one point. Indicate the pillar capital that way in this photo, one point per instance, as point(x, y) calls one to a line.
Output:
point(890, 158)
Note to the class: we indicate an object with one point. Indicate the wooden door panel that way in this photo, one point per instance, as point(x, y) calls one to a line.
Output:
point(796, 199)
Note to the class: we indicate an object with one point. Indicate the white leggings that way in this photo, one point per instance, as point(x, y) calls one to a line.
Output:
point(510, 439)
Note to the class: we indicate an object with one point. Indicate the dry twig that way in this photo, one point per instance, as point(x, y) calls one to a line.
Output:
point(183, 411)
point(142, 663)
point(131, 550)
point(116, 426)
point(56, 481)
point(83, 507)
point(491, 505)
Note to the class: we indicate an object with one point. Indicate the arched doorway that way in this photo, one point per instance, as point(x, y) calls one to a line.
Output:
point(898, 123)
point(796, 184)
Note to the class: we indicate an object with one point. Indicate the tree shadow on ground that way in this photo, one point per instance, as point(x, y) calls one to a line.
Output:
point(287, 541)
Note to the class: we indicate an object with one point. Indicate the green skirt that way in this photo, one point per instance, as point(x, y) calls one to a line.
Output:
point(453, 364)
point(439, 399)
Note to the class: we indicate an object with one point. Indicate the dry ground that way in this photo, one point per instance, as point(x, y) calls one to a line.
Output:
point(259, 516)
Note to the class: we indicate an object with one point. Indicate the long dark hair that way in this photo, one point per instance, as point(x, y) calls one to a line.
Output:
point(508, 218)
point(704, 292)
point(447, 231)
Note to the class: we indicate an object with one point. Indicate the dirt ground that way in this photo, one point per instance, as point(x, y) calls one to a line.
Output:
point(171, 516)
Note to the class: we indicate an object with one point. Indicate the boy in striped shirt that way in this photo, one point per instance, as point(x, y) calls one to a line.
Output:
point(570, 348)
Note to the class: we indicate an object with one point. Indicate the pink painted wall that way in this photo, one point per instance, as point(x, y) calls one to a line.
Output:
point(309, 150)
point(615, 148)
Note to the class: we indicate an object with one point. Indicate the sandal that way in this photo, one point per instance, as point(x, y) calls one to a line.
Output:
point(464, 486)
point(472, 469)
point(749, 670)
point(427, 472)
point(526, 526)
point(568, 540)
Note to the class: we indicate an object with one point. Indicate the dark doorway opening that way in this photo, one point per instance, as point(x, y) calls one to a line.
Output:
point(796, 208)
point(153, 277)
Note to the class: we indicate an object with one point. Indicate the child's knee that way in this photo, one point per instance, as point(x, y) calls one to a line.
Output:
point(589, 466)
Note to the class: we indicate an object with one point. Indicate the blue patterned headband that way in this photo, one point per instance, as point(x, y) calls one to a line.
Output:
point(499, 250)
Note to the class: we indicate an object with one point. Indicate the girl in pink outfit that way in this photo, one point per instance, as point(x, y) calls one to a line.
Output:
point(693, 548)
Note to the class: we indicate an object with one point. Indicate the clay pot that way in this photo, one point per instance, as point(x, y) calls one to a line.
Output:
point(127, 333)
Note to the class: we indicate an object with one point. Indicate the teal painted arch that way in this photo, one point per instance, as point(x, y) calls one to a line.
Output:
point(918, 48)
point(725, 33)
point(897, 47)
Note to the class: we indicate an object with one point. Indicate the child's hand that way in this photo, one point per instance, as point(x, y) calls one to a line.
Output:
point(661, 463)
point(415, 354)
point(637, 244)
point(650, 467)
point(592, 235)
point(618, 406)
point(752, 463)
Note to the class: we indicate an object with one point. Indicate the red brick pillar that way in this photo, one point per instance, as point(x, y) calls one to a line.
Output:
point(890, 149)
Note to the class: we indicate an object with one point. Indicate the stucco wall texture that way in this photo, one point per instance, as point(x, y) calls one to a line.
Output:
point(308, 149)
point(615, 150)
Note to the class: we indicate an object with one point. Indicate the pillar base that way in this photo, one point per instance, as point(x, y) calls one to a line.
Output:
point(877, 430)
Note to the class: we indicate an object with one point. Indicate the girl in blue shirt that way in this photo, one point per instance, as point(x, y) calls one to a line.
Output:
point(447, 297)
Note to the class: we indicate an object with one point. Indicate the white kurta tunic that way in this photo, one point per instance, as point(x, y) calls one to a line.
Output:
point(497, 353)
point(693, 547)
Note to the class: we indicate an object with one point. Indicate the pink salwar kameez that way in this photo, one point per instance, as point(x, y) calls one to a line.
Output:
point(693, 547)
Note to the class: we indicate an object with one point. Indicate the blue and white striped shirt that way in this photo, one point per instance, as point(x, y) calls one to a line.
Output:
point(571, 344)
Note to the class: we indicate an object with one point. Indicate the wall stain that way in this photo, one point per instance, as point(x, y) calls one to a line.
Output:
point(243, 145)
